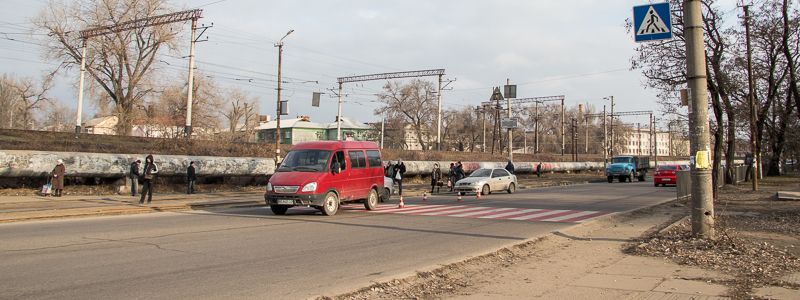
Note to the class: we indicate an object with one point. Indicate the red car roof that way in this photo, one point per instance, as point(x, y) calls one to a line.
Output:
point(334, 145)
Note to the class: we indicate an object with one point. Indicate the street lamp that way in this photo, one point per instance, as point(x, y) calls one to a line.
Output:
point(279, 44)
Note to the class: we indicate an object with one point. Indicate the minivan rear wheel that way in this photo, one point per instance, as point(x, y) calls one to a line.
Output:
point(372, 200)
point(331, 204)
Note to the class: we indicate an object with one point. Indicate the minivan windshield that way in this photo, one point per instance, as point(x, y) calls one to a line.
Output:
point(626, 160)
point(305, 161)
point(481, 173)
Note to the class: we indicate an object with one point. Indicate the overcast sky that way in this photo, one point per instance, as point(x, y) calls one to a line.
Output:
point(576, 48)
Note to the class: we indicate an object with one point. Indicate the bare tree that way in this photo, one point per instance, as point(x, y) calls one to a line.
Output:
point(21, 98)
point(117, 62)
point(57, 117)
point(414, 103)
point(788, 46)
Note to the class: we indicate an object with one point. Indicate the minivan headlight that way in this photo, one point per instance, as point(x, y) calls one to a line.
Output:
point(269, 186)
point(310, 187)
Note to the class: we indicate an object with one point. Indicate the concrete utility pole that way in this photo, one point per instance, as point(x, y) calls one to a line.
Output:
point(702, 196)
point(484, 129)
point(80, 87)
point(280, 107)
point(383, 121)
point(638, 138)
point(605, 138)
point(612, 127)
point(190, 92)
point(510, 130)
point(339, 115)
point(439, 116)
point(536, 128)
point(563, 142)
point(752, 100)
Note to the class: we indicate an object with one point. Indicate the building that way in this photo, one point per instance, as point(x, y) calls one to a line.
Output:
point(101, 125)
point(301, 129)
point(637, 142)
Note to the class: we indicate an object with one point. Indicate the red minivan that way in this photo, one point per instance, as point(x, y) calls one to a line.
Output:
point(324, 174)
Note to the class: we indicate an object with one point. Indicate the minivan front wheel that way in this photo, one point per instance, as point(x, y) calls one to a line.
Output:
point(372, 200)
point(331, 204)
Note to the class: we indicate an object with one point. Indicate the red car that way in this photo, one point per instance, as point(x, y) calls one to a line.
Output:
point(666, 174)
point(324, 174)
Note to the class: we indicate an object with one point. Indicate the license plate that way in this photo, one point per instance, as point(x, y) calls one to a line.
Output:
point(667, 179)
point(285, 202)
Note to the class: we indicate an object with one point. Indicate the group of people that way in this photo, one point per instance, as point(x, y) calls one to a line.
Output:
point(146, 176)
point(454, 174)
point(396, 171)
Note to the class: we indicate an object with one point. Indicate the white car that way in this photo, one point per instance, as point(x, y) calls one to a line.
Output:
point(485, 181)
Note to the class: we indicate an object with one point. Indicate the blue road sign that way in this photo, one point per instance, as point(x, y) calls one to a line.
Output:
point(652, 22)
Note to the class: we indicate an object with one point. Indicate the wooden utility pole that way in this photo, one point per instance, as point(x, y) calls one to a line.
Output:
point(751, 100)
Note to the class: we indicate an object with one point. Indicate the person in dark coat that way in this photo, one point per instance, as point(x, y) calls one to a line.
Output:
point(451, 175)
point(134, 176)
point(436, 177)
point(148, 174)
point(58, 178)
point(398, 171)
point(510, 167)
point(539, 170)
point(460, 171)
point(191, 176)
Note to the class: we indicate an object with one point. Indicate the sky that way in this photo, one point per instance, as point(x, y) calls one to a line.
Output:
point(576, 48)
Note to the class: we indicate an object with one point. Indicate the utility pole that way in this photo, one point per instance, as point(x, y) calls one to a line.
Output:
point(702, 196)
point(751, 99)
point(612, 127)
point(605, 138)
point(190, 89)
point(339, 115)
point(586, 122)
point(280, 107)
point(510, 130)
point(383, 121)
point(638, 138)
point(563, 145)
point(536, 128)
point(80, 87)
point(574, 138)
point(484, 129)
point(439, 116)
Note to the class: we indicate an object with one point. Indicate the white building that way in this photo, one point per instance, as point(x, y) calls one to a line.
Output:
point(638, 142)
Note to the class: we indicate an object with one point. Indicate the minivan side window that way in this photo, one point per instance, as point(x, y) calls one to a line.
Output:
point(374, 159)
point(339, 158)
point(357, 159)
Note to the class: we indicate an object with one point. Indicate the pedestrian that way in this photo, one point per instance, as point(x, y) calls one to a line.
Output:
point(58, 178)
point(150, 169)
point(539, 169)
point(134, 176)
point(436, 177)
point(191, 176)
point(510, 167)
point(460, 171)
point(451, 176)
point(398, 171)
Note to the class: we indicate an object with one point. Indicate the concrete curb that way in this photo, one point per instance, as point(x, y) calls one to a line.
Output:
point(534, 239)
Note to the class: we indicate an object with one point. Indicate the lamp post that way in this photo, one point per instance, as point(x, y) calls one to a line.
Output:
point(279, 44)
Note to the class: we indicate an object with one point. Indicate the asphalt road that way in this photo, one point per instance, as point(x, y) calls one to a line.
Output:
point(250, 253)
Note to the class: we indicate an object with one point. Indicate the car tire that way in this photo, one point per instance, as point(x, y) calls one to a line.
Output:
point(372, 200)
point(279, 210)
point(387, 194)
point(610, 179)
point(331, 204)
point(485, 190)
point(512, 188)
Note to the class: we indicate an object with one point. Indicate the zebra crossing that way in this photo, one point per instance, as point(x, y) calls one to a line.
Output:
point(480, 212)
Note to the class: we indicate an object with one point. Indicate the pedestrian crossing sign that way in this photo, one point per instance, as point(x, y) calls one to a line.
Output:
point(652, 22)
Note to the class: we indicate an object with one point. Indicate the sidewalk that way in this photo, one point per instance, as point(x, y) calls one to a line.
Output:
point(581, 262)
point(23, 208)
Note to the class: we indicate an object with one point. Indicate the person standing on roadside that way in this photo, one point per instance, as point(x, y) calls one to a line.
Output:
point(436, 177)
point(459, 171)
point(191, 176)
point(134, 176)
point(451, 176)
point(150, 169)
point(539, 170)
point(398, 171)
point(58, 178)
point(510, 167)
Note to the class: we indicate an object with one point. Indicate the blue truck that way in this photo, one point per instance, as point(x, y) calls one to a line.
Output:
point(627, 167)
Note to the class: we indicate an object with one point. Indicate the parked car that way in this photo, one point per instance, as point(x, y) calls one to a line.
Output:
point(388, 189)
point(485, 181)
point(666, 174)
point(324, 174)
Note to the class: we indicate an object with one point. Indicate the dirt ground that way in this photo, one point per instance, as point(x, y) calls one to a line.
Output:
point(757, 238)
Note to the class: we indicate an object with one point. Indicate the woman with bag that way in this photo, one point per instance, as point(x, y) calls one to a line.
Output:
point(436, 177)
point(57, 176)
point(150, 169)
